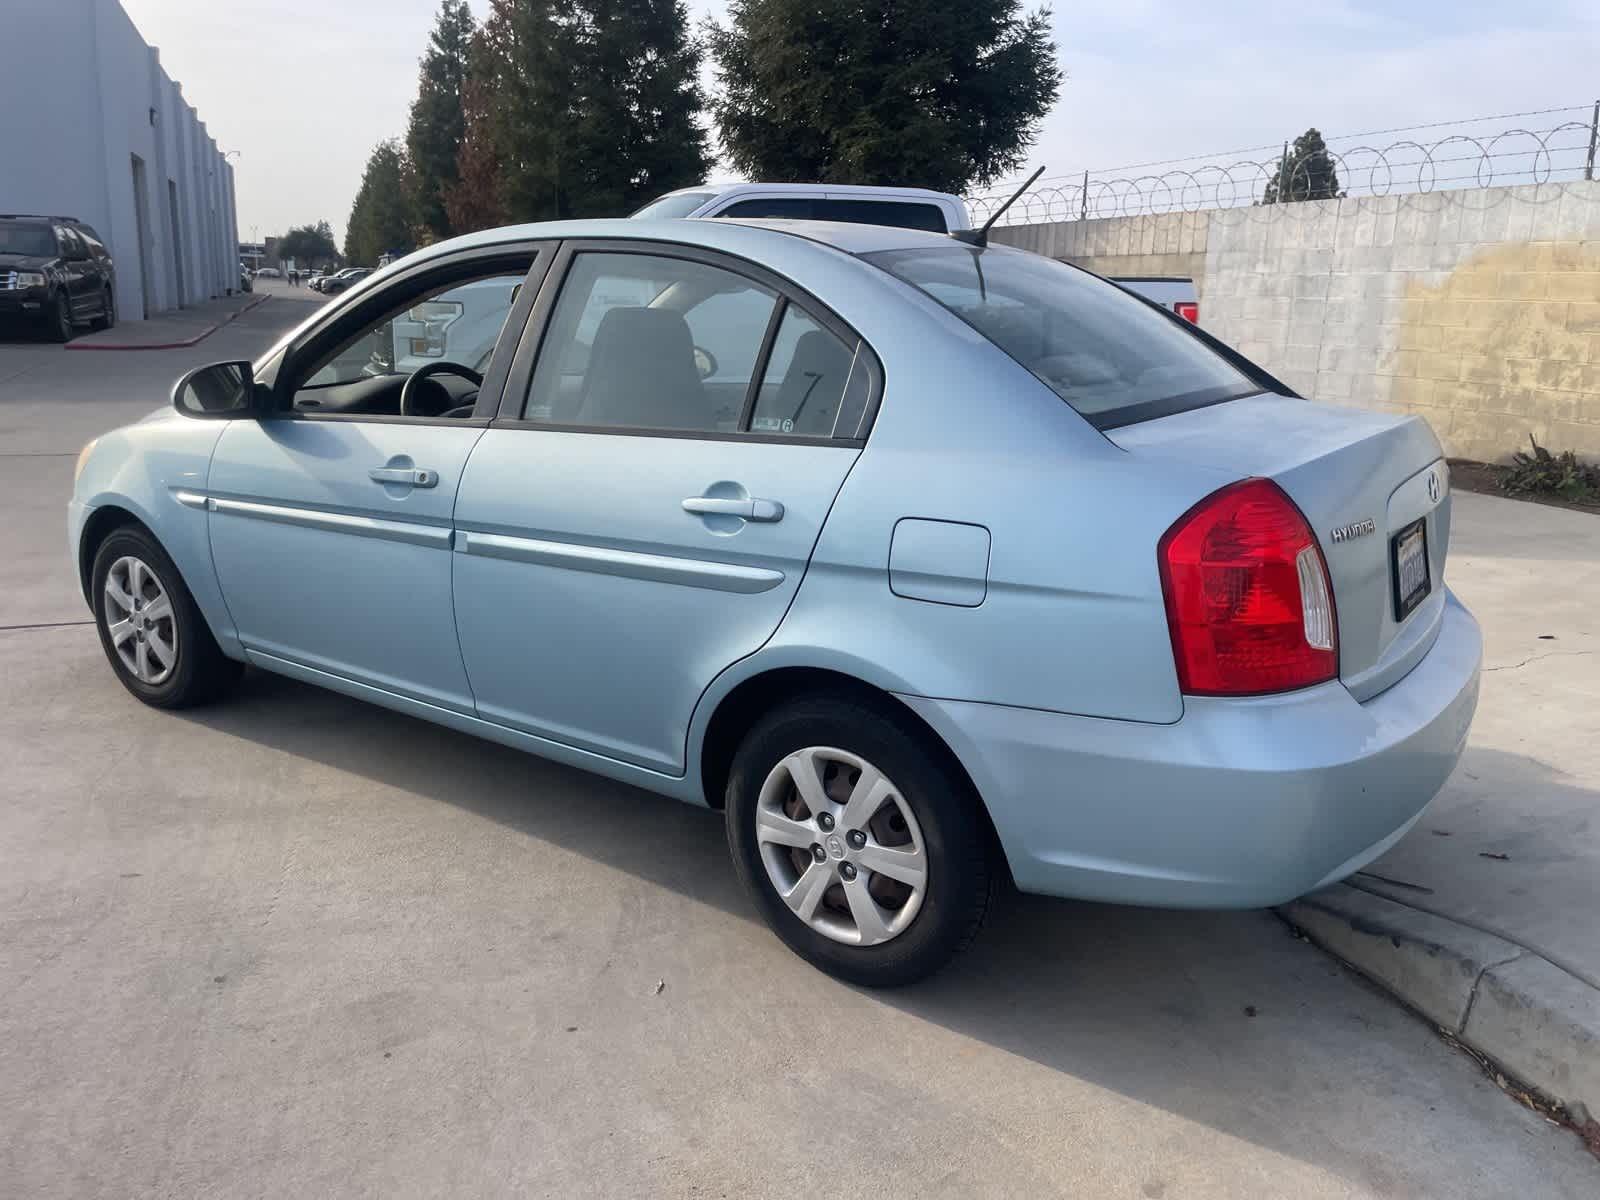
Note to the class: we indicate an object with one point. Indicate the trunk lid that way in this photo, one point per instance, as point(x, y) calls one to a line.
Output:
point(1343, 467)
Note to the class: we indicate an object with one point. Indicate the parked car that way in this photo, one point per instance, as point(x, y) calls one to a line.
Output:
point(1175, 293)
point(929, 562)
point(55, 274)
point(269, 273)
point(244, 279)
point(910, 208)
point(334, 284)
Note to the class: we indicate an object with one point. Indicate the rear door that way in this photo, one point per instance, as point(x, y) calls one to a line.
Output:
point(621, 533)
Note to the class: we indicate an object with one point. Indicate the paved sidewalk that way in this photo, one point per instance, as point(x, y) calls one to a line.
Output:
point(1484, 918)
point(170, 330)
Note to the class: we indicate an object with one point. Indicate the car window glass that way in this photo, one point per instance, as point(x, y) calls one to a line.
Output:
point(35, 241)
point(1108, 354)
point(790, 208)
point(458, 325)
point(804, 383)
point(71, 247)
point(899, 213)
point(646, 341)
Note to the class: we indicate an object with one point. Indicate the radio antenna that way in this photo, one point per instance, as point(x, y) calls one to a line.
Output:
point(980, 237)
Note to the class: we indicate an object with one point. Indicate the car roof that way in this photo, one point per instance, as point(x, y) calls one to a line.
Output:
point(739, 236)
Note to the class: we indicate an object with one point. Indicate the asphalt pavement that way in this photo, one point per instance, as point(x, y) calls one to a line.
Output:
point(294, 944)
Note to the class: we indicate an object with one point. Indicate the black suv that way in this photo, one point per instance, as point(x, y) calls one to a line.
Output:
point(55, 272)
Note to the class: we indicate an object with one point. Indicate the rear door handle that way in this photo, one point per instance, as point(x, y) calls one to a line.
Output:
point(750, 510)
point(412, 476)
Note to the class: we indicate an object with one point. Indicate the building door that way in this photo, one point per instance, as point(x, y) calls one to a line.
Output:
point(177, 242)
point(141, 216)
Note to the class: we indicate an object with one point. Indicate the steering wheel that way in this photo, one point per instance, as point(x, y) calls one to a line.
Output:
point(411, 404)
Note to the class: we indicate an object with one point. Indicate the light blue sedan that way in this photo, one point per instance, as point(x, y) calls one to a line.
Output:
point(931, 563)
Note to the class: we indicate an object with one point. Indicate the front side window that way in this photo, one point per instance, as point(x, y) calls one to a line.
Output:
point(649, 342)
point(450, 331)
point(1111, 356)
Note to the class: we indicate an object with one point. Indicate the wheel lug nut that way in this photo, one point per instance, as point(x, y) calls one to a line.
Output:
point(856, 838)
point(818, 853)
point(847, 870)
point(825, 822)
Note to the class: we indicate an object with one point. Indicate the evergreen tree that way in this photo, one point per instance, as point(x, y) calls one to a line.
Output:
point(433, 138)
point(378, 219)
point(473, 201)
point(579, 108)
point(1306, 172)
point(309, 245)
point(637, 132)
point(941, 94)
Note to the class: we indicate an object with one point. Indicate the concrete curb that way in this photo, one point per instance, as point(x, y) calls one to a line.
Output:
point(178, 345)
point(1537, 1022)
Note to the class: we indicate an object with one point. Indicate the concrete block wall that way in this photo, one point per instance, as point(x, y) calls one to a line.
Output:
point(1478, 309)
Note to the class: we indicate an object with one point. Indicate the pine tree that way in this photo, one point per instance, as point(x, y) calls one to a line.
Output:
point(473, 201)
point(1306, 172)
point(378, 219)
point(433, 138)
point(941, 94)
point(637, 132)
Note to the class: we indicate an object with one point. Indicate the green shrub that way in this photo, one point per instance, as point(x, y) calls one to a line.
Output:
point(1543, 473)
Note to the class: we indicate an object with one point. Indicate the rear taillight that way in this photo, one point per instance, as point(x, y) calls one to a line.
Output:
point(1189, 310)
point(1248, 601)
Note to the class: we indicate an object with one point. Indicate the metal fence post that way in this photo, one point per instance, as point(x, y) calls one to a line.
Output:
point(1594, 136)
point(1283, 169)
point(1083, 202)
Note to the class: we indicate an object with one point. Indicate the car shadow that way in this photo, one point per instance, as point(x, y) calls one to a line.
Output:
point(1224, 1018)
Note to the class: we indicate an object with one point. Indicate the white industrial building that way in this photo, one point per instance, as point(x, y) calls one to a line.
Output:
point(91, 127)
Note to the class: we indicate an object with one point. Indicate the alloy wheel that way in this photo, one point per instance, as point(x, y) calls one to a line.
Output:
point(139, 618)
point(841, 846)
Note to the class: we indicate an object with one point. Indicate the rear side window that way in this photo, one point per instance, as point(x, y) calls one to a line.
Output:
point(898, 213)
point(803, 388)
point(674, 206)
point(1112, 357)
point(643, 341)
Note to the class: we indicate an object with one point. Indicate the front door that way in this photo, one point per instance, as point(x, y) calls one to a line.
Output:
point(641, 517)
point(331, 522)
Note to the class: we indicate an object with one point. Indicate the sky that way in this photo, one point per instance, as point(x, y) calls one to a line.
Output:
point(304, 89)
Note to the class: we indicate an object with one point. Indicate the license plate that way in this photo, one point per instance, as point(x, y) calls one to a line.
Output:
point(1409, 552)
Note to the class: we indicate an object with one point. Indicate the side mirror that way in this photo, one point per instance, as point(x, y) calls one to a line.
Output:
point(220, 391)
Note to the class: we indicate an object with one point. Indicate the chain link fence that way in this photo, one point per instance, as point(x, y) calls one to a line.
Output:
point(1551, 146)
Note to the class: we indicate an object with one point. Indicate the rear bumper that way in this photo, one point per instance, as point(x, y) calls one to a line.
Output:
point(1240, 804)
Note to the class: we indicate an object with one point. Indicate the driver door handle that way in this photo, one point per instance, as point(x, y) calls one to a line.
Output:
point(406, 475)
point(750, 510)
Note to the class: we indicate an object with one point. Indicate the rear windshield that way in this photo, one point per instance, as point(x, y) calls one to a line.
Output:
point(674, 206)
point(1109, 355)
point(34, 240)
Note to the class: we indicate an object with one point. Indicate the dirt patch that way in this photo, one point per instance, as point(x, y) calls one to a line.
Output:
point(1469, 476)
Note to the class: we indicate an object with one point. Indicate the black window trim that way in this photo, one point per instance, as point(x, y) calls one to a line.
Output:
point(366, 308)
point(514, 394)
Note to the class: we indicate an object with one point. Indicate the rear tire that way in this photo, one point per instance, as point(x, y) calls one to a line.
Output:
point(152, 632)
point(852, 902)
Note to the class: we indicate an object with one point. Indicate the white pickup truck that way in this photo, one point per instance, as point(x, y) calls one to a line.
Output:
point(909, 208)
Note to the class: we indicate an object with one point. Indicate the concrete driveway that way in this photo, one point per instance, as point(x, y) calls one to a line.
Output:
point(296, 945)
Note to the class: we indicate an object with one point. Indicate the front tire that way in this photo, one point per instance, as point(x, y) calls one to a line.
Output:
point(60, 319)
point(108, 310)
point(857, 840)
point(157, 642)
